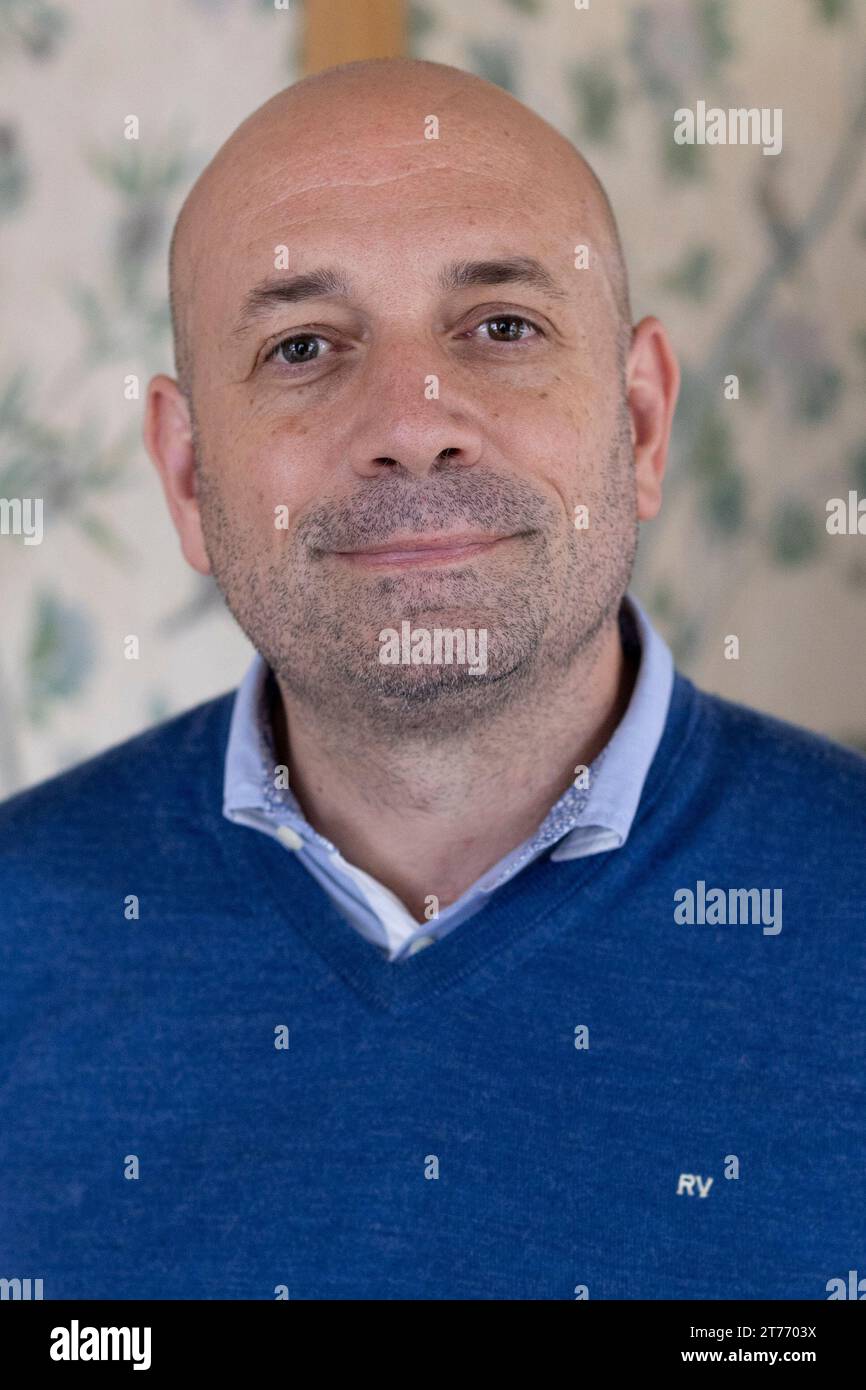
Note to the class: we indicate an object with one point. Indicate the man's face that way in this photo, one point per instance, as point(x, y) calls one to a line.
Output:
point(412, 405)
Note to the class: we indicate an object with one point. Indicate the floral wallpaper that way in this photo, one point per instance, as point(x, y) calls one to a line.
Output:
point(755, 263)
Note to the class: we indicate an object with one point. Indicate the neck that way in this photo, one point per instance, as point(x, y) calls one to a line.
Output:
point(430, 818)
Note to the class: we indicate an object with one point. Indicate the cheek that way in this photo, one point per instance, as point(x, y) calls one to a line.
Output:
point(552, 433)
point(263, 465)
point(288, 467)
point(561, 438)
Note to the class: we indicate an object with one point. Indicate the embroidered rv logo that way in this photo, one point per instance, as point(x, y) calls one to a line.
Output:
point(688, 1182)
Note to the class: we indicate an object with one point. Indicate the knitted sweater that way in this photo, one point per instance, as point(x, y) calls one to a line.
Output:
point(627, 1077)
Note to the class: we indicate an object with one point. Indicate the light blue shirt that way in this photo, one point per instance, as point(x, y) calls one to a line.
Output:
point(587, 819)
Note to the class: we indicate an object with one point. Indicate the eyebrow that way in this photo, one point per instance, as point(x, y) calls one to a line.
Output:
point(326, 283)
point(514, 270)
point(313, 284)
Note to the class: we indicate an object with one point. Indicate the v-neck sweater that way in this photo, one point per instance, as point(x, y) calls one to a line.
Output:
point(213, 1088)
point(594, 814)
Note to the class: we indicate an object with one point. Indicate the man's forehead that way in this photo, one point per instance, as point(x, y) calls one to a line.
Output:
point(297, 192)
point(281, 172)
point(401, 224)
point(331, 179)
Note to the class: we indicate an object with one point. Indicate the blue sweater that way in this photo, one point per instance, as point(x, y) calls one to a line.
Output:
point(579, 1093)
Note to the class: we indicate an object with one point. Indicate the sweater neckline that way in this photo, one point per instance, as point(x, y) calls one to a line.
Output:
point(521, 916)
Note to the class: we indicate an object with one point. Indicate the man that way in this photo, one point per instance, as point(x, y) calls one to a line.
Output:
point(468, 950)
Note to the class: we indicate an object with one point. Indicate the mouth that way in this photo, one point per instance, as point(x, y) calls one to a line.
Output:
point(426, 550)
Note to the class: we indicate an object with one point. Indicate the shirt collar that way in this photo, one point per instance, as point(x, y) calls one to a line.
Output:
point(617, 777)
point(246, 750)
point(586, 820)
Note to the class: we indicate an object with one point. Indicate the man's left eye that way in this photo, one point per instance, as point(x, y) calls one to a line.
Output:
point(508, 328)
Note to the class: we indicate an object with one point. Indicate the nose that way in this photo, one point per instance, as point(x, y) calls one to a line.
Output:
point(412, 417)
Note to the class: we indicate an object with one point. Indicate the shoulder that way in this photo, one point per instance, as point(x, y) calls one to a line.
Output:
point(776, 745)
point(136, 778)
point(768, 773)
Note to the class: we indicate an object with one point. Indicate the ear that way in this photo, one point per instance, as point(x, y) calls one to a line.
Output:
point(652, 386)
point(167, 435)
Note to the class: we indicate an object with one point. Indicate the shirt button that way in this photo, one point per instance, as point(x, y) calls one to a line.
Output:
point(419, 943)
point(290, 838)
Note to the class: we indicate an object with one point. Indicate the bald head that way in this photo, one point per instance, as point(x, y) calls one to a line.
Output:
point(314, 132)
point(401, 310)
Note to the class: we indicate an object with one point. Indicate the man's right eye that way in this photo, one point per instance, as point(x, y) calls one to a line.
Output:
point(297, 350)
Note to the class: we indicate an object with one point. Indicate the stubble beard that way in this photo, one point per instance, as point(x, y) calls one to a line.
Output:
point(317, 621)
